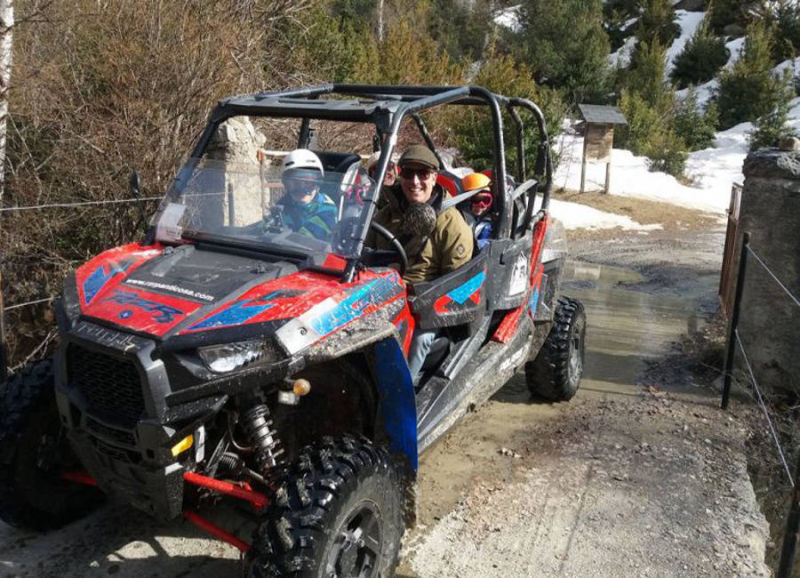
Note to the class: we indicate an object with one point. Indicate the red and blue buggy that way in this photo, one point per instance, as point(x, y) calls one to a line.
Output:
point(229, 356)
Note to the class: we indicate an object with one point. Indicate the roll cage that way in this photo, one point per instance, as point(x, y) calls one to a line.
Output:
point(386, 107)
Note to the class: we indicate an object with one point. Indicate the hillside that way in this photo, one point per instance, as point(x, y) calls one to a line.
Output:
point(705, 183)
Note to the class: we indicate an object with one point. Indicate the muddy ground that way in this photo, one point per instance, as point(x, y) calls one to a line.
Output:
point(641, 474)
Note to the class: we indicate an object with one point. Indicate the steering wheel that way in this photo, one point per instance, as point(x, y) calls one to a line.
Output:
point(397, 246)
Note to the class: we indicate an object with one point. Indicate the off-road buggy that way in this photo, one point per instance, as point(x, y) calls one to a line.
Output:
point(229, 356)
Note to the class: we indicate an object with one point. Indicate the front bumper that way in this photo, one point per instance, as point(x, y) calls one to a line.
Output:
point(113, 420)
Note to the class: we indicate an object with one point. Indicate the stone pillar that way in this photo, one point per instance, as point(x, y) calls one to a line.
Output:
point(769, 321)
point(235, 146)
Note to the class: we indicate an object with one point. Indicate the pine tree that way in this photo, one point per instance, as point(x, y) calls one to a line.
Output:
point(646, 73)
point(647, 102)
point(695, 126)
point(658, 22)
point(724, 12)
point(749, 89)
point(473, 133)
point(701, 58)
point(771, 128)
point(565, 46)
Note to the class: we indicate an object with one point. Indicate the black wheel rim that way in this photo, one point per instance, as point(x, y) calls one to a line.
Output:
point(358, 544)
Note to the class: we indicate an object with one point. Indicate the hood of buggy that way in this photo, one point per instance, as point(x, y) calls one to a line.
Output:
point(176, 293)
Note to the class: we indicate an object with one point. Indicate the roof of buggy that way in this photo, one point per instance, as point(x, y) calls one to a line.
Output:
point(365, 102)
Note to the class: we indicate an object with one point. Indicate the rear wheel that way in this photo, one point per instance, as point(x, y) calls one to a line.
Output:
point(34, 453)
point(555, 373)
point(339, 513)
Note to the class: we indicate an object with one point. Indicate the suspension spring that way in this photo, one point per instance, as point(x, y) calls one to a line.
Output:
point(263, 438)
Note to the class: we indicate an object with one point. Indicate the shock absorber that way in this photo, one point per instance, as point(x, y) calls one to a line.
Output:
point(263, 438)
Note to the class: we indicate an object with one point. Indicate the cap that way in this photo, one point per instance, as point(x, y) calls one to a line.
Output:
point(419, 154)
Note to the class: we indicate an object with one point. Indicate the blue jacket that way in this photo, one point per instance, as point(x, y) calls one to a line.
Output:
point(315, 219)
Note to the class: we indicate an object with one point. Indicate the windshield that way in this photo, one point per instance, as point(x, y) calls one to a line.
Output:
point(253, 204)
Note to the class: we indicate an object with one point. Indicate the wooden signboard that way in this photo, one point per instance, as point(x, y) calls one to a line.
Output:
point(598, 141)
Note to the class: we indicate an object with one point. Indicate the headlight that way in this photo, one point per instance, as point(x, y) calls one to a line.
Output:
point(230, 356)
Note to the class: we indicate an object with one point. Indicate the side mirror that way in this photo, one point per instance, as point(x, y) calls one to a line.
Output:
point(419, 220)
point(134, 185)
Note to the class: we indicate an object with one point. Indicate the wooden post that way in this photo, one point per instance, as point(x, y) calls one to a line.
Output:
point(583, 162)
point(608, 178)
point(730, 349)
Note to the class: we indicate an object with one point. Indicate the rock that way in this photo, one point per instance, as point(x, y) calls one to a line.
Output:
point(691, 5)
point(736, 30)
point(791, 143)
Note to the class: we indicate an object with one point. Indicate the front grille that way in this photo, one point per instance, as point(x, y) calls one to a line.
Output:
point(121, 436)
point(111, 385)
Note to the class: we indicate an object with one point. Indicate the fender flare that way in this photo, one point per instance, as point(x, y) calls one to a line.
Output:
point(396, 401)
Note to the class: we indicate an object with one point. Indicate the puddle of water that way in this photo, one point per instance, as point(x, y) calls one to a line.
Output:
point(625, 327)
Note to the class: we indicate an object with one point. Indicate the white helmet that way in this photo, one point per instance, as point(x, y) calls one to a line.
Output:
point(301, 159)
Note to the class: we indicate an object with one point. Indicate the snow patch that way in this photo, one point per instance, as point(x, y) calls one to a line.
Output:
point(509, 18)
point(622, 57)
point(712, 172)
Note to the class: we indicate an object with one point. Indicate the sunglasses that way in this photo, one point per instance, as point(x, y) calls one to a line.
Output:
point(297, 184)
point(421, 174)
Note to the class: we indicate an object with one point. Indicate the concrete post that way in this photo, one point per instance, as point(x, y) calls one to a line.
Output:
point(769, 318)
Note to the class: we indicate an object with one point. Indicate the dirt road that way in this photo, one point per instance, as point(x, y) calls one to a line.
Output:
point(640, 475)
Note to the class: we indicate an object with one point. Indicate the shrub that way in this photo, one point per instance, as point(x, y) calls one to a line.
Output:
point(649, 133)
point(473, 134)
point(565, 47)
point(724, 12)
point(696, 127)
point(658, 22)
point(771, 128)
point(646, 73)
point(667, 153)
point(616, 15)
point(749, 89)
point(701, 58)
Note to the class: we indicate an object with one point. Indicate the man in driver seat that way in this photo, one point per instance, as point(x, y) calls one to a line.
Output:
point(445, 249)
point(304, 208)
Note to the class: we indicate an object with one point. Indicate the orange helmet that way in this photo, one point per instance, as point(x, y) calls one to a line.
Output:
point(475, 182)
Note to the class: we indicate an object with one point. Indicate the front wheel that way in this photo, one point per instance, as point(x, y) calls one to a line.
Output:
point(33, 455)
point(556, 371)
point(339, 513)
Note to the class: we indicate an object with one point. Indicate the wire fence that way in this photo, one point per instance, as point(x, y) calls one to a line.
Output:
point(25, 323)
point(761, 397)
point(77, 204)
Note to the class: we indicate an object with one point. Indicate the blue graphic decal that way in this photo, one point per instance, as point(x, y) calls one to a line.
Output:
point(375, 292)
point(97, 280)
point(163, 313)
point(463, 292)
point(244, 311)
point(533, 300)
point(234, 315)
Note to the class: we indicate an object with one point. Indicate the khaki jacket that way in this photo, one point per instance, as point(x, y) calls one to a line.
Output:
point(447, 248)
